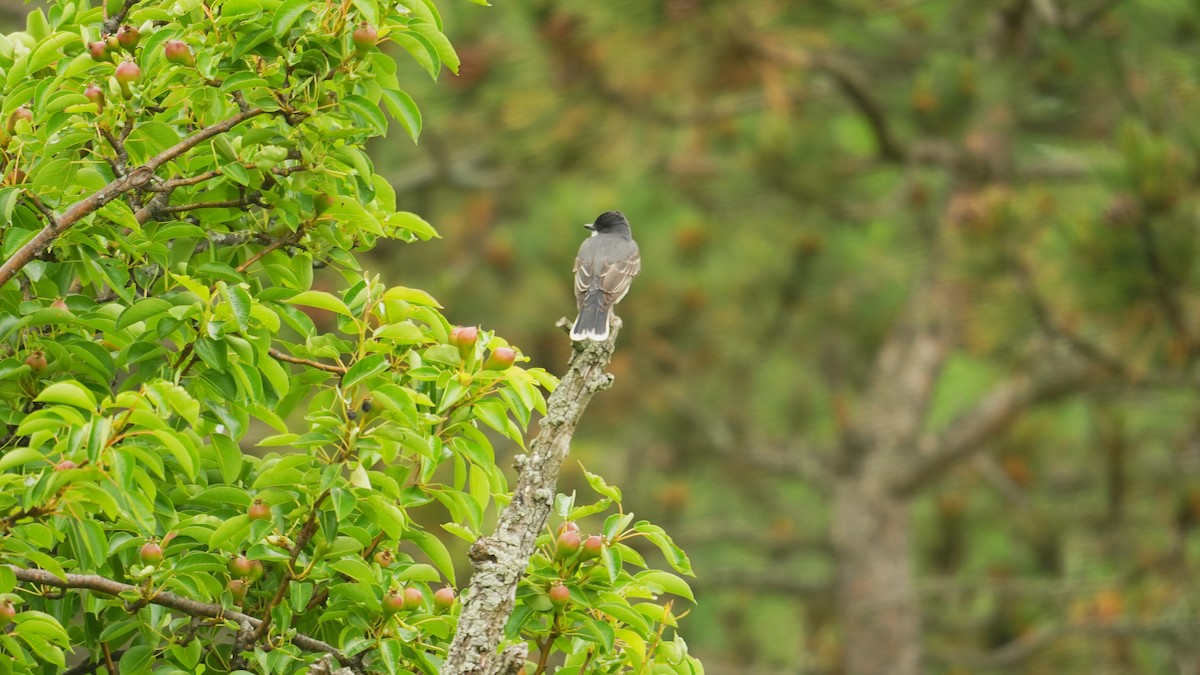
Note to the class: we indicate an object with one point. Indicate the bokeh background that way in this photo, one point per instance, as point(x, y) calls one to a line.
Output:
point(910, 368)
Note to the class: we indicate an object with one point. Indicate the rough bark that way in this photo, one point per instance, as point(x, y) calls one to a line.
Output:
point(500, 560)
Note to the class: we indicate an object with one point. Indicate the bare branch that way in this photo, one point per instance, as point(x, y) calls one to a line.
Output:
point(138, 178)
point(99, 584)
point(275, 353)
point(500, 560)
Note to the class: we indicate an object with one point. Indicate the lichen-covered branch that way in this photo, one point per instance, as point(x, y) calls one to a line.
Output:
point(500, 560)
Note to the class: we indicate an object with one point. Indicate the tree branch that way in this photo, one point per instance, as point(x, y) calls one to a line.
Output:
point(500, 560)
point(340, 370)
point(137, 178)
point(993, 414)
point(99, 584)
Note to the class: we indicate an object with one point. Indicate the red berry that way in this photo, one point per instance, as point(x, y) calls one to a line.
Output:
point(237, 588)
point(21, 113)
point(444, 598)
point(7, 612)
point(567, 544)
point(256, 570)
point(98, 50)
point(65, 465)
point(393, 601)
point(569, 526)
point(240, 567)
point(500, 359)
point(15, 177)
point(365, 37)
point(592, 546)
point(112, 43)
point(413, 597)
point(128, 37)
point(59, 303)
point(151, 553)
point(36, 361)
point(259, 510)
point(384, 558)
point(179, 53)
point(559, 595)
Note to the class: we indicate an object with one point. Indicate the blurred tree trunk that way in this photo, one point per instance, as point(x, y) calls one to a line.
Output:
point(877, 601)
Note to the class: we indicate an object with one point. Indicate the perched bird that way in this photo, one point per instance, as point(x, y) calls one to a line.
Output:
point(606, 265)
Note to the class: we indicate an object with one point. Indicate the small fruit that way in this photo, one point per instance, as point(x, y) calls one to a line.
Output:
point(259, 510)
point(256, 570)
point(321, 203)
point(592, 546)
point(15, 177)
point(500, 359)
point(366, 406)
point(21, 113)
point(393, 601)
point(364, 37)
point(237, 588)
point(443, 598)
point(464, 338)
point(98, 50)
point(128, 37)
point(240, 567)
point(112, 43)
point(351, 415)
point(151, 553)
point(65, 465)
point(36, 361)
point(7, 612)
point(384, 558)
point(413, 597)
point(569, 526)
point(179, 53)
point(127, 73)
point(559, 595)
point(567, 544)
point(59, 303)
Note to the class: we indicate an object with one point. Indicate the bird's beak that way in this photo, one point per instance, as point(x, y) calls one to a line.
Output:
point(590, 226)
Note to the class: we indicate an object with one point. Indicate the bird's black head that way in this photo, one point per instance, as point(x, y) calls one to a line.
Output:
point(610, 221)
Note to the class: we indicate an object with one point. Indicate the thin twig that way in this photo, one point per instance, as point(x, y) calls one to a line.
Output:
point(340, 370)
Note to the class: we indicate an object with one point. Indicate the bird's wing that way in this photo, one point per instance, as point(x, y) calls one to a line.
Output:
point(616, 277)
point(583, 280)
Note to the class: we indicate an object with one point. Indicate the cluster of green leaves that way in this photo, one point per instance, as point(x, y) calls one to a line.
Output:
point(582, 597)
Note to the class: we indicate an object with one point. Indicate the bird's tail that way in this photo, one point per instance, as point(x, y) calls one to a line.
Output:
point(592, 323)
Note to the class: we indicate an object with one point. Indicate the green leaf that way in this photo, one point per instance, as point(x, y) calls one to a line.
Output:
point(413, 295)
point(239, 304)
point(435, 549)
point(321, 300)
point(386, 515)
point(50, 50)
point(231, 534)
point(404, 110)
point(69, 393)
point(141, 311)
point(364, 368)
point(419, 572)
point(413, 223)
point(597, 483)
point(665, 582)
point(367, 112)
point(19, 457)
point(356, 569)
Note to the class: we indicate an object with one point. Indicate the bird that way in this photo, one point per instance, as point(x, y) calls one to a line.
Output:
point(605, 267)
